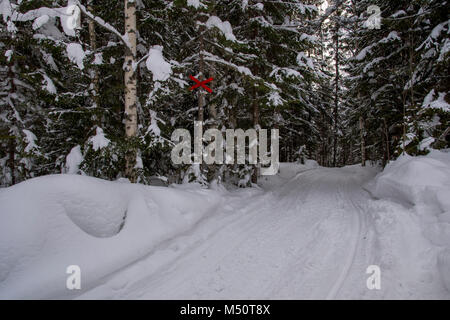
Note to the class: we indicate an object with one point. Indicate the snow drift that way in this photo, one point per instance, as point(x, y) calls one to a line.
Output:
point(421, 184)
point(51, 222)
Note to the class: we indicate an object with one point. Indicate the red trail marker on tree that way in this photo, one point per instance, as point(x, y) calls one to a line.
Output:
point(200, 84)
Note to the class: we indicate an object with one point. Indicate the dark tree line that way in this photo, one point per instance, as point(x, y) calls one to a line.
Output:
point(339, 92)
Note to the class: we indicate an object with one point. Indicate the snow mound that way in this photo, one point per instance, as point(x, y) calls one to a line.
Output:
point(52, 222)
point(416, 180)
point(422, 184)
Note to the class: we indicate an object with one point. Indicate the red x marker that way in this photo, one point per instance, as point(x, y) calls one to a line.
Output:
point(200, 84)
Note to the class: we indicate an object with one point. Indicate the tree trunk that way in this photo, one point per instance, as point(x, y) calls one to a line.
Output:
point(12, 137)
point(213, 169)
point(130, 87)
point(212, 107)
point(201, 93)
point(12, 152)
point(94, 71)
point(336, 100)
point(233, 123)
point(363, 145)
point(256, 126)
point(255, 108)
point(386, 135)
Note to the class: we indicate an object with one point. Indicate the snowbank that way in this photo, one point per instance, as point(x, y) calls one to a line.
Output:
point(417, 181)
point(421, 184)
point(51, 222)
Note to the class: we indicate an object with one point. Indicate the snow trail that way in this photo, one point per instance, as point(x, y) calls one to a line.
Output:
point(290, 240)
point(356, 231)
point(307, 233)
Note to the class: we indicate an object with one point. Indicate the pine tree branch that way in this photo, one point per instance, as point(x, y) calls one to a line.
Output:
point(104, 24)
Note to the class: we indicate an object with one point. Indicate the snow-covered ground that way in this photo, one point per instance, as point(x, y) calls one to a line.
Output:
point(308, 232)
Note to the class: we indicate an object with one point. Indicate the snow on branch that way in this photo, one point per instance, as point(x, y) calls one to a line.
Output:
point(103, 24)
point(434, 35)
point(155, 63)
point(243, 70)
point(223, 26)
point(41, 16)
point(196, 4)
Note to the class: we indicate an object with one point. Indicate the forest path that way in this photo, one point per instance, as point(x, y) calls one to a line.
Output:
point(300, 237)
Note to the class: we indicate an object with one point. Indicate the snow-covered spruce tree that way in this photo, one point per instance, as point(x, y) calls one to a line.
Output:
point(87, 90)
point(279, 44)
point(430, 77)
point(12, 102)
point(295, 68)
point(102, 149)
point(262, 73)
point(393, 74)
point(34, 51)
point(147, 150)
point(70, 115)
point(204, 48)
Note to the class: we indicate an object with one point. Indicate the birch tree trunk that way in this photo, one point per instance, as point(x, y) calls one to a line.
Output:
point(94, 71)
point(130, 86)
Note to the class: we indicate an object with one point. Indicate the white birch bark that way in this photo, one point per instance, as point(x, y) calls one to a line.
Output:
point(130, 84)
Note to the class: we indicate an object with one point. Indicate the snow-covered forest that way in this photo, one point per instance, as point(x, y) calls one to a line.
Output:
point(91, 92)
